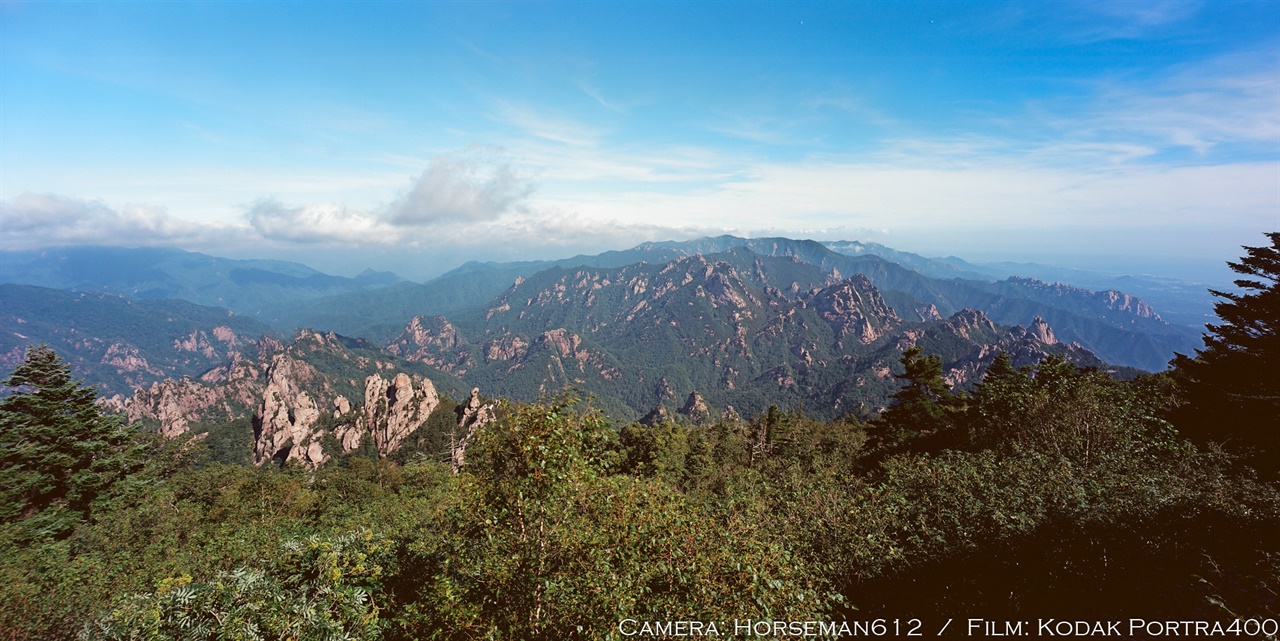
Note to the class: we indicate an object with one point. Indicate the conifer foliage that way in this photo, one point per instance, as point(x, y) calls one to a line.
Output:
point(57, 451)
point(1233, 384)
point(925, 405)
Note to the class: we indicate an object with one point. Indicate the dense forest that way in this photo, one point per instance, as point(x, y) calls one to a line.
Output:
point(1045, 491)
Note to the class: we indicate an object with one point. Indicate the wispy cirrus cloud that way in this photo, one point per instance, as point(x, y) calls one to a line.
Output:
point(1230, 101)
point(537, 123)
point(1111, 20)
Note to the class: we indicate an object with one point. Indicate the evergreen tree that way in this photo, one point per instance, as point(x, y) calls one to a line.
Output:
point(924, 405)
point(921, 403)
point(999, 401)
point(58, 452)
point(1233, 384)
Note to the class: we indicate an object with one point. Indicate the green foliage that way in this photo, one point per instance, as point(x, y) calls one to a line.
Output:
point(654, 451)
point(1060, 490)
point(1079, 415)
point(541, 544)
point(58, 453)
point(317, 588)
point(431, 440)
point(230, 442)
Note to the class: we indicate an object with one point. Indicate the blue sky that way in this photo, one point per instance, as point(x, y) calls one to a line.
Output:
point(411, 136)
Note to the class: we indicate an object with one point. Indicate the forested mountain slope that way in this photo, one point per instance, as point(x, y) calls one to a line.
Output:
point(741, 330)
point(120, 344)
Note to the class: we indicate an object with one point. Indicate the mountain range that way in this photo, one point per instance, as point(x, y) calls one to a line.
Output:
point(704, 328)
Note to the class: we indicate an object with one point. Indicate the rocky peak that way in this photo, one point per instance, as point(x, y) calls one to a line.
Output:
point(695, 407)
point(656, 416)
point(730, 415)
point(1041, 331)
point(286, 419)
point(969, 322)
point(267, 345)
point(432, 340)
point(1120, 301)
point(392, 411)
point(472, 416)
point(929, 313)
point(237, 368)
point(854, 307)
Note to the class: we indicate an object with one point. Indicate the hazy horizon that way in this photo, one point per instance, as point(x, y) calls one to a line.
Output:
point(1118, 137)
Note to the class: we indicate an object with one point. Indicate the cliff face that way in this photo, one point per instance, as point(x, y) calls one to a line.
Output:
point(221, 394)
point(855, 309)
point(285, 423)
point(472, 415)
point(291, 392)
point(392, 411)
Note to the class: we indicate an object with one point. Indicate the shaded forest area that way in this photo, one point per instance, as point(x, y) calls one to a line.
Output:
point(1046, 492)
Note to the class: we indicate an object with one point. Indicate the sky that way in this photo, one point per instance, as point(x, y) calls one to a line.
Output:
point(413, 136)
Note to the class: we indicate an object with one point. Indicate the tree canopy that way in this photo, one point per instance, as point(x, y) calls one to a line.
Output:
point(58, 452)
point(1233, 384)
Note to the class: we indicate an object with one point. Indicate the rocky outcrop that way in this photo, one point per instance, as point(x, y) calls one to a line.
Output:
point(928, 313)
point(221, 394)
point(970, 324)
point(695, 407)
point(432, 340)
point(853, 307)
point(656, 416)
point(287, 396)
point(472, 415)
point(1041, 331)
point(1122, 302)
point(126, 358)
point(392, 411)
point(506, 348)
point(285, 423)
point(197, 342)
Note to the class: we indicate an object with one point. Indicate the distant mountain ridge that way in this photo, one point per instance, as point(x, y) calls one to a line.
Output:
point(120, 344)
point(247, 287)
point(741, 330)
point(1119, 327)
point(1183, 303)
point(1135, 337)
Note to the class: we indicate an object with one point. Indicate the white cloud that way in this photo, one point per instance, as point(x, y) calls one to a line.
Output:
point(1226, 103)
point(320, 223)
point(456, 190)
point(460, 188)
point(45, 220)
